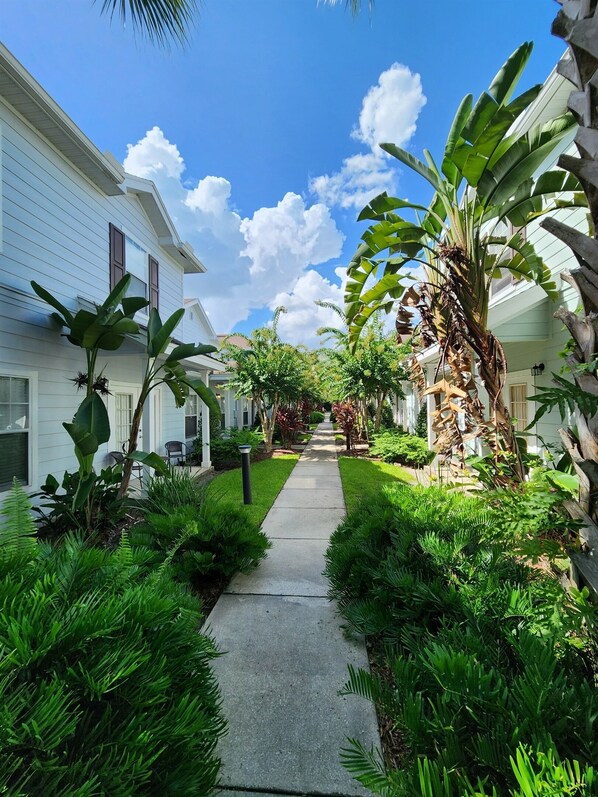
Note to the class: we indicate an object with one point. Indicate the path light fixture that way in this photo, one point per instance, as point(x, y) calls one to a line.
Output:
point(538, 369)
point(245, 452)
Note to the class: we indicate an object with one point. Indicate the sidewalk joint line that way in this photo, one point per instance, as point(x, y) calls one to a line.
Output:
point(278, 595)
point(278, 793)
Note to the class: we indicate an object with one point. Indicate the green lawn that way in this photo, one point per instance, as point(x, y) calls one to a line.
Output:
point(365, 476)
point(267, 480)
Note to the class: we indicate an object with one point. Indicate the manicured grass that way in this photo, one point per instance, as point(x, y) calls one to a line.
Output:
point(267, 480)
point(362, 477)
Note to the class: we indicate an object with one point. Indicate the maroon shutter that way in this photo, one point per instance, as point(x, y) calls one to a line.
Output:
point(117, 255)
point(154, 283)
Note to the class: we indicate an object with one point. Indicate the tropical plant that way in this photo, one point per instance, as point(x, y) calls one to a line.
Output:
point(478, 655)
point(103, 512)
point(406, 449)
point(224, 449)
point(371, 371)
point(162, 20)
point(316, 417)
point(159, 20)
point(102, 329)
point(289, 424)
point(105, 329)
point(163, 367)
point(577, 24)
point(485, 192)
point(345, 416)
point(106, 681)
point(204, 539)
point(268, 371)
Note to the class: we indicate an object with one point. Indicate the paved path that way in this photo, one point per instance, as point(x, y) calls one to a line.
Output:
point(286, 657)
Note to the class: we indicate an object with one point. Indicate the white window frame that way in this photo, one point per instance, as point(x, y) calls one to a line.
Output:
point(33, 462)
point(190, 398)
point(121, 387)
point(132, 240)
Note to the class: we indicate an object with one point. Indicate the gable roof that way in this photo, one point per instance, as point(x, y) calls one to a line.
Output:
point(198, 307)
point(24, 93)
point(20, 90)
point(168, 238)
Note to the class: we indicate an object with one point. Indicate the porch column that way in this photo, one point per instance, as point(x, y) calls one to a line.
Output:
point(206, 461)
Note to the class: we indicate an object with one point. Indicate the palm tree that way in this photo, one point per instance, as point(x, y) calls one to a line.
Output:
point(161, 20)
point(484, 194)
point(577, 24)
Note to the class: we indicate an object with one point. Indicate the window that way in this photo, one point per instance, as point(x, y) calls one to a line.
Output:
point(518, 405)
point(191, 416)
point(15, 413)
point(136, 264)
point(127, 257)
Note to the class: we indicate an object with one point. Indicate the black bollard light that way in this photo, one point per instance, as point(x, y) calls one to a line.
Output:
point(245, 452)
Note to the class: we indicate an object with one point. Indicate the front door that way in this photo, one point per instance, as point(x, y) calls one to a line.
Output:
point(121, 408)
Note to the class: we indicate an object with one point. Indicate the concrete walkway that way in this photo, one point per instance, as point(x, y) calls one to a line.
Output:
point(286, 657)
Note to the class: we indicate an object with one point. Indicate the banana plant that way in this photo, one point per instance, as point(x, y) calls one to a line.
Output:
point(102, 329)
point(484, 184)
point(163, 367)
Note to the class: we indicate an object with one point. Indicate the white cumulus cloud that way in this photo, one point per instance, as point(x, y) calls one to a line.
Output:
point(390, 109)
point(303, 315)
point(389, 113)
point(360, 178)
point(250, 260)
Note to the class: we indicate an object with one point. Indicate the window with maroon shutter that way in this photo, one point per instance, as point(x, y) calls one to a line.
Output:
point(154, 283)
point(117, 255)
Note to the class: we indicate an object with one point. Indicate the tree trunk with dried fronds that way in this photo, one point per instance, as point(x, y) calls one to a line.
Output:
point(577, 24)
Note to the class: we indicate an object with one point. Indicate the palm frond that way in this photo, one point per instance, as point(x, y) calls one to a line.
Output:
point(158, 20)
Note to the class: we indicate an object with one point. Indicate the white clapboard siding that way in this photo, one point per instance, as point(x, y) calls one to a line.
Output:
point(55, 230)
point(55, 223)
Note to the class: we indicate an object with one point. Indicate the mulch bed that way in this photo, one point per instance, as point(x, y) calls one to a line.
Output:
point(394, 749)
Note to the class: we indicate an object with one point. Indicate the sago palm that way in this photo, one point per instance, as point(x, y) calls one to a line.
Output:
point(484, 194)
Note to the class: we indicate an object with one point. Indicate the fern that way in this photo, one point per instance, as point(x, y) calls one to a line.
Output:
point(17, 529)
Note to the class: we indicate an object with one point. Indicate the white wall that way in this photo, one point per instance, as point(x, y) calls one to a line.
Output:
point(56, 232)
point(56, 223)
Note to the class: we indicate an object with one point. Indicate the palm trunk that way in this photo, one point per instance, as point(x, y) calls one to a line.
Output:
point(132, 445)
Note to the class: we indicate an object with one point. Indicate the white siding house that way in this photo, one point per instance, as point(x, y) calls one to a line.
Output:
point(521, 315)
point(65, 207)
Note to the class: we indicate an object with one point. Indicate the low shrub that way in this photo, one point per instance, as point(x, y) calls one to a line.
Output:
point(387, 419)
point(484, 658)
point(64, 508)
point(421, 424)
point(316, 417)
point(225, 449)
point(106, 684)
point(204, 539)
point(406, 449)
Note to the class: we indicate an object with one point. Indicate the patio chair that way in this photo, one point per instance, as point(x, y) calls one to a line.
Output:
point(137, 468)
point(176, 452)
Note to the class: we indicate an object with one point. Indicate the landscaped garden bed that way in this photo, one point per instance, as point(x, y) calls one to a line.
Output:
point(483, 667)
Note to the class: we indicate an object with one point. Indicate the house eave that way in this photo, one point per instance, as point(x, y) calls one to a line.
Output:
point(22, 92)
point(151, 202)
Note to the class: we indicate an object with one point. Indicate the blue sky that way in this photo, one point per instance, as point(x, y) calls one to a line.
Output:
point(261, 133)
